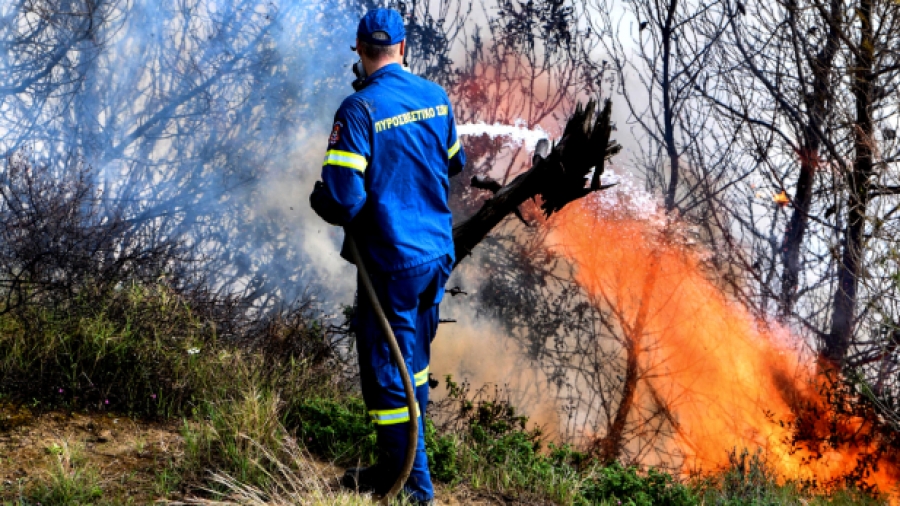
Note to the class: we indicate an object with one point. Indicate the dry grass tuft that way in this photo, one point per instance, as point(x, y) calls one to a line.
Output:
point(291, 477)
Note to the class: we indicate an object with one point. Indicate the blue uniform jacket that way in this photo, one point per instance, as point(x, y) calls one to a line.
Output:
point(391, 152)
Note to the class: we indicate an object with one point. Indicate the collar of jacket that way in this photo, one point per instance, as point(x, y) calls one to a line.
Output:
point(387, 69)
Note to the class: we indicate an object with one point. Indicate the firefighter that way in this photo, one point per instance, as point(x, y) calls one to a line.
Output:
point(391, 152)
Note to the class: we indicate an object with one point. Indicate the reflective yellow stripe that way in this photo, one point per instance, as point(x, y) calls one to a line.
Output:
point(345, 159)
point(391, 416)
point(421, 377)
point(453, 149)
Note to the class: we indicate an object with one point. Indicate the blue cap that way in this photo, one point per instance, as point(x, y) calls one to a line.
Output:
point(381, 27)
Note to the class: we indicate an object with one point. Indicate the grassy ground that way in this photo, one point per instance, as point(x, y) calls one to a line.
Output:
point(137, 396)
point(101, 459)
point(63, 458)
point(105, 459)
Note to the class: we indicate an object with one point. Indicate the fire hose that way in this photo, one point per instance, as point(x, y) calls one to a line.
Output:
point(401, 365)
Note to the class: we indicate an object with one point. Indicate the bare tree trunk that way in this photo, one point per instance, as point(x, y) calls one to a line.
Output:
point(796, 230)
point(837, 342)
point(817, 103)
point(668, 107)
point(610, 447)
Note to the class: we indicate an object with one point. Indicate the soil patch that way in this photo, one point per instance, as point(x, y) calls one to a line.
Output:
point(133, 459)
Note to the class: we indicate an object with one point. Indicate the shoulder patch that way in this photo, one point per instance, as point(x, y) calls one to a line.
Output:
point(335, 133)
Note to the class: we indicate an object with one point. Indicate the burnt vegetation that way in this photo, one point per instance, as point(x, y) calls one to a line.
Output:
point(58, 239)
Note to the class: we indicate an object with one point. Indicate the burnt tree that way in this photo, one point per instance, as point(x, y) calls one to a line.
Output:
point(558, 178)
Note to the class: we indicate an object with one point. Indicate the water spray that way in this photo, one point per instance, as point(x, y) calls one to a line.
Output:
point(517, 133)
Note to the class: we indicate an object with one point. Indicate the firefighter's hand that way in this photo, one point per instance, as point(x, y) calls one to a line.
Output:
point(455, 167)
point(323, 204)
point(320, 189)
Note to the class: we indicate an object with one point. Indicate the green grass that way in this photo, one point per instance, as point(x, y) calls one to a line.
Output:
point(70, 481)
point(145, 351)
point(253, 417)
point(749, 481)
point(127, 352)
point(234, 435)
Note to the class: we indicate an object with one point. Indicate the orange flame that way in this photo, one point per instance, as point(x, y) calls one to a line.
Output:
point(781, 199)
point(726, 377)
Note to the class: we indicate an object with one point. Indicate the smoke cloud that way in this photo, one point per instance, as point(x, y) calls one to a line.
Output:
point(473, 349)
point(207, 118)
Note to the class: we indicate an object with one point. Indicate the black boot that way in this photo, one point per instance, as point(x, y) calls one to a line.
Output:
point(372, 479)
point(365, 479)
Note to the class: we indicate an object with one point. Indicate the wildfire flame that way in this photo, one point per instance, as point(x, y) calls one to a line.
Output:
point(727, 378)
point(781, 199)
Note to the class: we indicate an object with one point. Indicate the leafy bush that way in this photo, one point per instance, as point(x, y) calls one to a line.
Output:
point(483, 442)
point(628, 487)
point(442, 451)
point(338, 431)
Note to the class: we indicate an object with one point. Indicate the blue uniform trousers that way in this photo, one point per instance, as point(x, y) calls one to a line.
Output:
point(410, 299)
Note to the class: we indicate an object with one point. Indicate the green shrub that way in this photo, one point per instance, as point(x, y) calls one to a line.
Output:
point(485, 443)
point(627, 486)
point(339, 430)
point(442, 451)
point(140, 350)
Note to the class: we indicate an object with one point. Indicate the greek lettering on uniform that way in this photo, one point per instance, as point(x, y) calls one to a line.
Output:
point(411, 117)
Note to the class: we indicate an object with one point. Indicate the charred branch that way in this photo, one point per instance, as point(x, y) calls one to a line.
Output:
point(883, 191)
point(486, 183)
point(57, 242)
point(559, 178)
point(610, 446)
